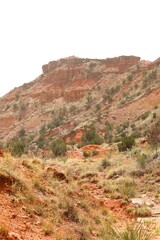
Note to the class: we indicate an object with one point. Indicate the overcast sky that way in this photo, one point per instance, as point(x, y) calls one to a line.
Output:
point(34, 32)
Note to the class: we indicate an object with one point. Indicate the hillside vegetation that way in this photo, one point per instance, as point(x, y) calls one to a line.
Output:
point(79, 152)
point(118, 96)
point(91, 197)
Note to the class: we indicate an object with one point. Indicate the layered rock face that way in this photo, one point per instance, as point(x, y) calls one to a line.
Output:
point(71, 78)
point(64, 81)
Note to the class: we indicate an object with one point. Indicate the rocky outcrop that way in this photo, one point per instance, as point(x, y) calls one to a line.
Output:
point(121, 64)
point(72, 77)
point(63, 83)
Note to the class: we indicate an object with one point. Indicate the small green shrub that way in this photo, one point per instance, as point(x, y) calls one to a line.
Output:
point(86, 154)
point(131, 232)
point(95, 152)
point(17, 146)
point(17, 95)
point(98, 107)
point(136, 134)
point(130, 77)
point(41, 142)
point(145, 115)
point(127, 142)
point(104, 164)
point(42, 130)
point(126, 187)
point(59, 147)
point(142, 161)
point(154, 136)
point(91, 137)
point(154, 115)
point(133, 126)
point(22, 107)
point(152, 74)
point(21, 133)
point(15, 107)
point(56, 122)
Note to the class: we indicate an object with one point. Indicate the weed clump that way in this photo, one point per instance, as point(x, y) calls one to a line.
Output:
point(131, 232)
point(127, 142)
point(59, 147)
point(91, 137)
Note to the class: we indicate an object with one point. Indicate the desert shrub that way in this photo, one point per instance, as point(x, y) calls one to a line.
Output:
point(154, 136)
point(126, 187)
point(133, 126)
point(58, 147)
point(41, 141)
point(95, 152)
point(152, 74)
point(145, 82)
point(116, 173)
point(117, 139)
point(86, 154)
point(42, 130)
point(127, 142)
point(139, 211)
point(108, 137)
point(71, 212)
point(91, 137)
point(15, 107)
point(130, 77)
point(17, 95)
point(119, 129)
point(7, 107)
point(89, 98)
point(154, 115)
point(136, 134)
point(22, 107)
point(88, 106)
point(142, 161)
point(17, 146)
point(56, 122)
point(131, 232)
point(104, 164)
point(72, 109)
point(92, 64)
point(108, 98)
point(108, 125)
point(144, 115)
point(21, 133)
point(98, 107)
point(125, 125)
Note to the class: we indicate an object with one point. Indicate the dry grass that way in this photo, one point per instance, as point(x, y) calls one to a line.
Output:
point(58, 202)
